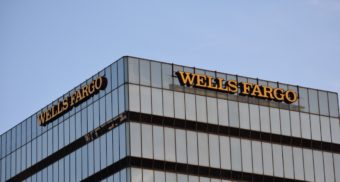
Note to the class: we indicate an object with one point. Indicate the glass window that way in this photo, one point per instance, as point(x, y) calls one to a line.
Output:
point(333, 104)
point(236, 162)
point(156, 74)
point(190, 107)
point(108, 107)
point(114, 74)
point(267, 159)
point(182, 178)
point(136, 175)
point(337, 165)
point(288, 161)
point(96, 155)
point(133, 70)
point(192, 147)
point(212, 110)
point(328, 162)
point(170, 177)
point(308, 164)
point(145, 99)
point(169, 106)
point(264, 116)
point(147, 175)
point(305, 125)
point(201, 105)
point(116, 143)
point(147, 141)
point(233, 114)
point(103, 156)
point(95, 115)
point(277, 158)
point(114, 103)
point(222, 112)
point(179, 105)
point(313, 101)
point(167, 76)
point(323, 102)
point(257, 157)
point(144, 72)
point(315, 125)
point(135, 139)
point(295, 122)
point(181, 146)
point(275, 120)
point(244, 115)
point(214, 151)
point(78, 124)
point(203, 153)
point(303, 99)
point(169, 144)
point(254, 117)
point(157, 104)
point(122, 140)
point(134, 98)
point(121, 99)
point(159, 176)
point(318, 166)
point(325, 129)
point(193, 179)
point(285, 122)
point(335, 127)
point(298, 163)
point(246, 156)
point(225, 152)
point(158, 142)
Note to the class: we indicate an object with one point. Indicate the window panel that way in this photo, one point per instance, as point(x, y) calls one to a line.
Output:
point(265, 122)
point(244, 115)
point(122, 98)
point(179, 105)
point(147, 175)
point(159, 176)
point(122, 140)
point(267, 159)
point(325, 129)
point(169, 144)
point(329, 169)
point(145, 99)
point(285, 122)
point(303, 99)
point(203, 153)
point(308, 164)
point(313, 101)
point(233, 114)
point(315, 125)
point(169, 106)
point(190, 107)
point(277, 158)
point(337, 166)
point(305, 126)
point(158, 142)
point(201, 105)
point(96, 155)
point(333, 104)
point(108, 107)
point(103, 154)
point(295, 122)
point(223, 112)
point(133, 70)
point(147, 141)
point(257, 157)
point(254, 117)
point(170, 177)
point(298, 163)
point(335, 128)
point(288, 161)
point(318, 166)
point(323, 103)
point(167, 76)
point(275, 120)
point(235, 145)
point(246, 156)
point(115, 103)
point(192, 147)
point(212, 110)
point(157, 104)
point(95, 115)
point(181, 146)
point(116, 143)
point(135, 139)
point(214, 151)
point(156, 74)
point(134, 98)
point(136, 175)
point(114, 74)
point(144, 72)
point(225, 152)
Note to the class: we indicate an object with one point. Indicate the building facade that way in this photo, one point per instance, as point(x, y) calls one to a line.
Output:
point(147, 121)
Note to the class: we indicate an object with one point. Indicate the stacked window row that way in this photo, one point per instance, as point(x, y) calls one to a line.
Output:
point(145, 175)
point(161, 75)
point(64, 133)
point(29, 129)
point(87, 160)
point(234, 114)
point(230, 153)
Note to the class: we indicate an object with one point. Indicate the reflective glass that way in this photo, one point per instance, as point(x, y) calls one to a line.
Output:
point(298, 163)
point(225, 152)
point(157, 101)
point(190, 107)
point(181, 146)
point(223, 112)
point(288, 161)
point(285, 122)
point(235, 146)
point(335, 130)
point(337, 166)
point(264, 116)
point(246, 156)
point(135, 139)
point(203, 153)
point(308, 164)
point(214, 151)
point(114, 75)
point(167, 76)
point(133, 67)
point(156, 74)
point(315, 126)
point(145, 97)
point(323, 103)
point(267, 158)
point(169, 106)
point(134, 98)
point(305, 125)
point(318, 166)
point(115, 103)
point(325, 129)
point(158, 142)
point(233, 114)
point(201, 106)
point(159, 176)
point(329, 169)
point(278, 162)
point(144, 72)
point(254, 117)
point(244, 116)
point(169, 144)
point(179, 105)
point(295, 122)
point(192, 147)
point(122, 98)
point(147, 150)
point(212, 110)
point(333, 104)
point(313, 101)
point(257, 157)
point(275, 120)
point(303, 99)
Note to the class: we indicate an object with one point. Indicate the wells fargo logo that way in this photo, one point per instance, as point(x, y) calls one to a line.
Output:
point(233, 87)
point(69, 102)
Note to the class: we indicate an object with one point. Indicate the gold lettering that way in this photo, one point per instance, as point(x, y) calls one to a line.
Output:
point(65, 103)
point(256, 92)
point(79, 96)
point(201, 81)
point(245, 88)
point(232, 86)
point(98, 83)
point(211, 85)
point(219, 82)
point(278, 94)
point(291, 96)
point(267, 91)
point(186, 78)
point(42, 118)
point(85, 91)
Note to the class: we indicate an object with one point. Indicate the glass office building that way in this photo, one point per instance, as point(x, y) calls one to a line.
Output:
point(145, 125)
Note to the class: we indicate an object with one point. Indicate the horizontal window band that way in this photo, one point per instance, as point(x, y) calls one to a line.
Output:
point(174, 167)
point(233, 132)
point(68, 149)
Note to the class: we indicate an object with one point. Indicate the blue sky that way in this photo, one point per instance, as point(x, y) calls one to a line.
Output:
point(48, 47)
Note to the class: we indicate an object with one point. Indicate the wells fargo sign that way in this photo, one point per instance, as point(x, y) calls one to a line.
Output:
point(232, 86)
point(69, 102)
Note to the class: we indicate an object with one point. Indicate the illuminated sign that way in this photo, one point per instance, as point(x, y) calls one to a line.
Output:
point(232, 87)
point(69, 102)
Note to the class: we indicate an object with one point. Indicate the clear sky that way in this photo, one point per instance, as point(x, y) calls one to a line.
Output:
point(47, 47)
